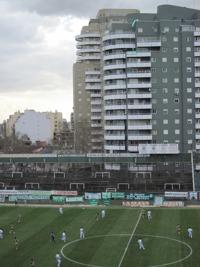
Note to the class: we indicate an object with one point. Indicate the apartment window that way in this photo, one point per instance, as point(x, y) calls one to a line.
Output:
point(176, 59)
point(177, 131)
point(154, 111)
point(153, 59)
point(165, 111)
point(80, 92)
point(189, 69)
point(175, 49)
point(153, 70)
point(164, 39)
point(140, 30)
point(154, 122)
point(177, 111)
point(176, 80)
point(177, 121)
point(189, 90)
point(188, 59)
point(189, 80)
point(189, 121)
point(164, 69)
point(189, 142)
point(154, 101)
point(165, 100)
point(188, 39)
point(189, 111)
point(176, 29)
point(165, 132)
point(164, 59)
point(189, 131)
point(176, 100)
point(166, 29)
point(165, 90)
point(165, 121)
point(164, 80)
point(165, 141)
point(80, 99)
point(177, 141)
point(188, 49)
point(189, 100)
point(176, 91)
point(154, 132)
point(175, 39)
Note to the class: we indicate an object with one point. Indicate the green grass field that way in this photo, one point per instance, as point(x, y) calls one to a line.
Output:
point(109, 242)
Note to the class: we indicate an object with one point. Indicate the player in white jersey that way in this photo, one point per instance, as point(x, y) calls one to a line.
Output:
point(1, 234)
point(103, 214)
point(149, 216)
point(141, 245)
point(82, 233)
point(63, 236)
point(58, 260)
point(61, 210)
point(189, 230)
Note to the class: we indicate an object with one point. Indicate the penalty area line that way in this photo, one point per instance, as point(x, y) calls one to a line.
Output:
point(129, 241)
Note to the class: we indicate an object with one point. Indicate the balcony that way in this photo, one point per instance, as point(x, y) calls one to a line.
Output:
point(93, 87)
point(140, 106)
point(118, 46)
point(197, 84)
point(114, 66)
point(86, 43)
point(96, 117)
point(139, 85)
point(88, 50)
point(96, 110)
point(197, 43)
point(139, 75)
point(114, 127)
point(197, 105)
point(140, 137)
point(114, 137)
point(115, 86)
point(197, 136)
point(114, 117)
point(197, 74)
point(96, 125)
point(114, 96)
point(95, 95)
point(133, 148)
point(92, 80)
point(130, 54)
point(148, 42)
point(139, 96)
point(114, 77)
point(197, 116)
point(137, 64)
point(197, 63)
point(119, 36)
point(92, 72)
point(140, 127)
point(114, 107)
point(87, 35)
point(197, 126)
point(197, 54)
point(88, 57)
point(96, 102)
point(114, 56)
point(140, 117)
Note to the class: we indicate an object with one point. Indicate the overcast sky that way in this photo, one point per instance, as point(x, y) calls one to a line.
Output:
point(37, 49)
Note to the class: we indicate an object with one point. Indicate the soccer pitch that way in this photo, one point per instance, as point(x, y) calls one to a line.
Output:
point(109, 242)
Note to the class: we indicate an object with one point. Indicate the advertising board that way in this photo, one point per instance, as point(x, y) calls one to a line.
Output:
point(176, 194)
point(139, 196)
point(118, 195)
point(92, 195)
point(133, 204)
point(74, 199)
point(64, 193)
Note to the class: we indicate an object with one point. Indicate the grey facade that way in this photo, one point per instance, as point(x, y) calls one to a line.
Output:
point(141, 74)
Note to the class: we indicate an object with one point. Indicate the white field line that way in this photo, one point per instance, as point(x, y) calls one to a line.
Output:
point(129, 241)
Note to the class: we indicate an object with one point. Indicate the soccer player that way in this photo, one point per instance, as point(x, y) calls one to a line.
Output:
point(16, 242)
point(12, 229)
point(103, 214)
point(63, 236)
point(1, 234)
point(32, 262)
point(19, 218)
point(97, 216)
point(141, 245)
point(82, 233)
point(53, 237)
point(58, 259)
point(149, 216)
point(189, 230)
point(61, 210)
point(143, 213)
point(178, 229)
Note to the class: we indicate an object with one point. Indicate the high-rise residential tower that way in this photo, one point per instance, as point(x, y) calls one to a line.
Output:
point(137, 80)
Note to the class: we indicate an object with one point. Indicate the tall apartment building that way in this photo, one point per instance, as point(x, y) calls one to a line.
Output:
point(137, 80)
